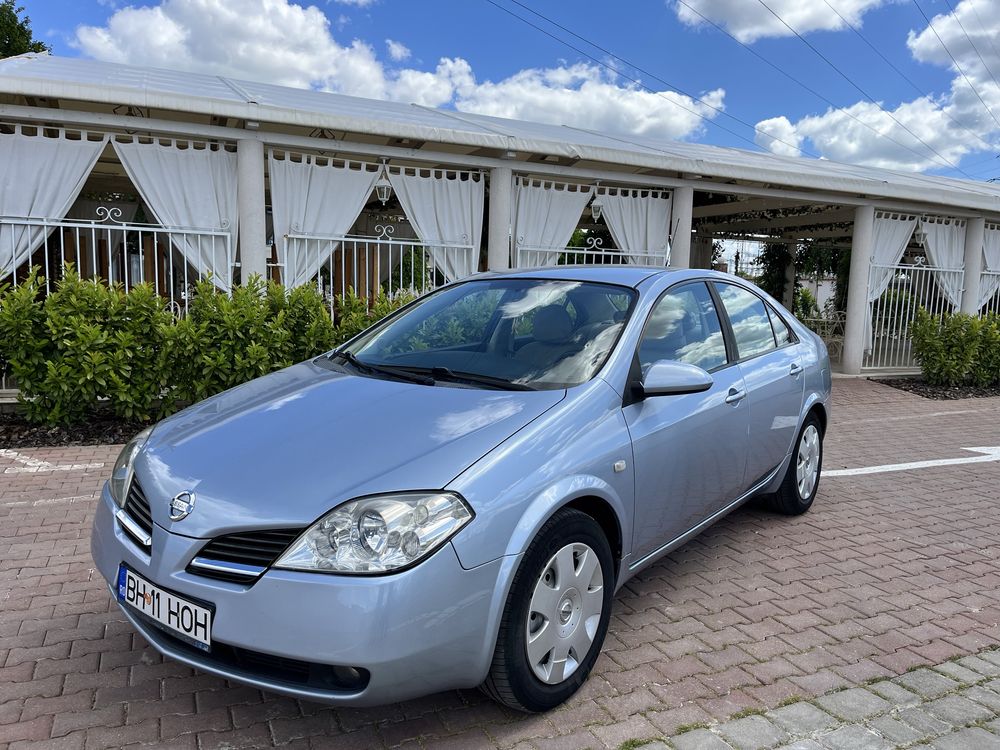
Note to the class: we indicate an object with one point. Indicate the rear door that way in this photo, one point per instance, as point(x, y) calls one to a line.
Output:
point(689, 451)
point(769, 361)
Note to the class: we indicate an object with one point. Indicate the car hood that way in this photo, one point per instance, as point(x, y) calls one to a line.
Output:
point(284, 449)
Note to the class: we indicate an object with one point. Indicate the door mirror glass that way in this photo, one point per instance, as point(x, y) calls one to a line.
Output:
point(669, 377)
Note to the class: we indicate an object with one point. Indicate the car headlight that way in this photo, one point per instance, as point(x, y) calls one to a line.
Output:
point(121, 475)
point(378, 534)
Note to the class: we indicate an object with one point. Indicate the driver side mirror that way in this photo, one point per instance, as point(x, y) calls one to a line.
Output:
point(671, 378)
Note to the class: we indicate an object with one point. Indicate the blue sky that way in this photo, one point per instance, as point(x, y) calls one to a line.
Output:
point(499, 65)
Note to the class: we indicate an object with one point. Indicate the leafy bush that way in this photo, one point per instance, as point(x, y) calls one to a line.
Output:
point(986, 368)
point(805, 306)
point(88, 344)
point(354, 315)
point(947, 347)
point(84, 343)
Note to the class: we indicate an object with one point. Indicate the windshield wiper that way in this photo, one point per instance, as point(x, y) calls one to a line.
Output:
point(446, 374)
point(394, 372)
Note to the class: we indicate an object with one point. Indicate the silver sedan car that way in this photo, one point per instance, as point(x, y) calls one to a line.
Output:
point(452, 498)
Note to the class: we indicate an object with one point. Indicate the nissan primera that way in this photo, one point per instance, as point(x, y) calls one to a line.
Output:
point(452, 498)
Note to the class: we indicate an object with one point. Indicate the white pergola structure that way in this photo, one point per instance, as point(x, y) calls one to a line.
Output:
point(235, 177)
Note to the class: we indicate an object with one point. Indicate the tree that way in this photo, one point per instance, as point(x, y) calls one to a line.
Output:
point(15, 32)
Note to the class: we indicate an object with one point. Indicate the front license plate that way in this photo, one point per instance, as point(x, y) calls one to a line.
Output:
point(178, 616)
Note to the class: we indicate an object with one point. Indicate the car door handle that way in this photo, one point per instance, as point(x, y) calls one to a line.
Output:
point(735, 396)
point(796, 370)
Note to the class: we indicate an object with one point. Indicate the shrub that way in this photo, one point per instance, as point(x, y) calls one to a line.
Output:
point(805, 306)
point(84, 343)
point(986, 367)
point(946, 347)
point(88, 343)
point(354, 315)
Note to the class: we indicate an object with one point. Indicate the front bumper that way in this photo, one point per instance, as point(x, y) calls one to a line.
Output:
point(424, 630)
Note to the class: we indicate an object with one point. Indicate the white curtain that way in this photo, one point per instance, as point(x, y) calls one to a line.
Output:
point(319, 200)
point(991, 262)
point(890, 236)
point(445, 209)
point(189, 188)
point(545, 216)
point(944, 243)
point(42, 177)
point(640, 223)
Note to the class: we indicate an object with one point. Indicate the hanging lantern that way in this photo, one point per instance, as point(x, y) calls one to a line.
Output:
point(383, 188)
point(596, 207)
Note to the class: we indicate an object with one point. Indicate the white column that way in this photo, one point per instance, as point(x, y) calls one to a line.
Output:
point(498, 239)
point(254, 252)
point(975, 233)
point(857, 290)
point(680, 218)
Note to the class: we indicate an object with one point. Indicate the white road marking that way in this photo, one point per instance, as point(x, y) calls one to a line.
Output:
point(31, 465)
point(986, 455)
point(46, 501)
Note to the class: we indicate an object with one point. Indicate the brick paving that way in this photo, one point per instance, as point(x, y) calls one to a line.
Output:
point(888, 572)
point(951, 706)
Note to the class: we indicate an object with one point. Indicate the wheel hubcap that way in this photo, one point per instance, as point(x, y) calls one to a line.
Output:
point(807, 463)
point(564, 612)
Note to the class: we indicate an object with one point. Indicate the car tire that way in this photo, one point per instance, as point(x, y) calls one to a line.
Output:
point(557, 575)
point(801, 483)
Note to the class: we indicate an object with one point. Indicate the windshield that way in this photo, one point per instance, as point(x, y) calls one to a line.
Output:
point(525, 333)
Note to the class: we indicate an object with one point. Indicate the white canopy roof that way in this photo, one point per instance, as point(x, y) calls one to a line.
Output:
point(115, 84)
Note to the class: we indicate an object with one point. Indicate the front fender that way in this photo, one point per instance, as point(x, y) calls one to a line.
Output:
point(568, 453)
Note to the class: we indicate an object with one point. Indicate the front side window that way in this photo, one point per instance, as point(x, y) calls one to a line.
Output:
point(748, 316)
point(522, 332)
point(684, 326)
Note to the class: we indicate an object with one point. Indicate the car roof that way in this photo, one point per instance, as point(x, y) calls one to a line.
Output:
point(623, 275)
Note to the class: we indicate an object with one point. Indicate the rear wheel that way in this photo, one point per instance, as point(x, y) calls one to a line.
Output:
point(801, 482)
point(556, 615)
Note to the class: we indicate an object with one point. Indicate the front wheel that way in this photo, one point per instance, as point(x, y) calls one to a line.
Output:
point(801, 483)
point(556, 615)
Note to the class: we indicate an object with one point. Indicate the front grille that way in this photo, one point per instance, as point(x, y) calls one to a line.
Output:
point(255, 548)
point(137, 508)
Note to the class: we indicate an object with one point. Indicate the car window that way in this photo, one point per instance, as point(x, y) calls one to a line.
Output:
point(534, 333)
point(748, 316)
point(782, 333)
point(684, 326)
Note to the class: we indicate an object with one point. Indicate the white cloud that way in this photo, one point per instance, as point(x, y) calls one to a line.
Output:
point(397, 50)
point(749, 21)
point(779, 136)
point(954, 124)
point(588, 96)
point(355, 3)
point(251, 41)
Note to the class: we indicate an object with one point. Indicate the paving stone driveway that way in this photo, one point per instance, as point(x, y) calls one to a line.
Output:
point(888, 572)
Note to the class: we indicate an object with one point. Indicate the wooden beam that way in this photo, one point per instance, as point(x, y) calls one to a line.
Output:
point(745, 206)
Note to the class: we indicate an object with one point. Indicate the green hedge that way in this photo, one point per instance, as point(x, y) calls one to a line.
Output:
point(88, 346)
point(957, 349)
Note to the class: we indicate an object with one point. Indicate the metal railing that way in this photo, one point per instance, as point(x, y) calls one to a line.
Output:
point(991, 280)
point(370, 265)
point(910, 287)
point(172, 259)
point(593, 253)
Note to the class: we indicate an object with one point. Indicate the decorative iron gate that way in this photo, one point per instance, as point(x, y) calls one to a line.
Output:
point(910, 287)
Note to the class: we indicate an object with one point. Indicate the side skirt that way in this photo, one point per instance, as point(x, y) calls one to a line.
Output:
point(693, 532)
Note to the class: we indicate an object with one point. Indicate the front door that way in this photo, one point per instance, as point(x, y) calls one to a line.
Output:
point(689, 451)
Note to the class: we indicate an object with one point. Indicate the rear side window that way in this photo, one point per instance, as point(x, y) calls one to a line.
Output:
point(684, 327)
point(782, 334)
point(748, 316)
